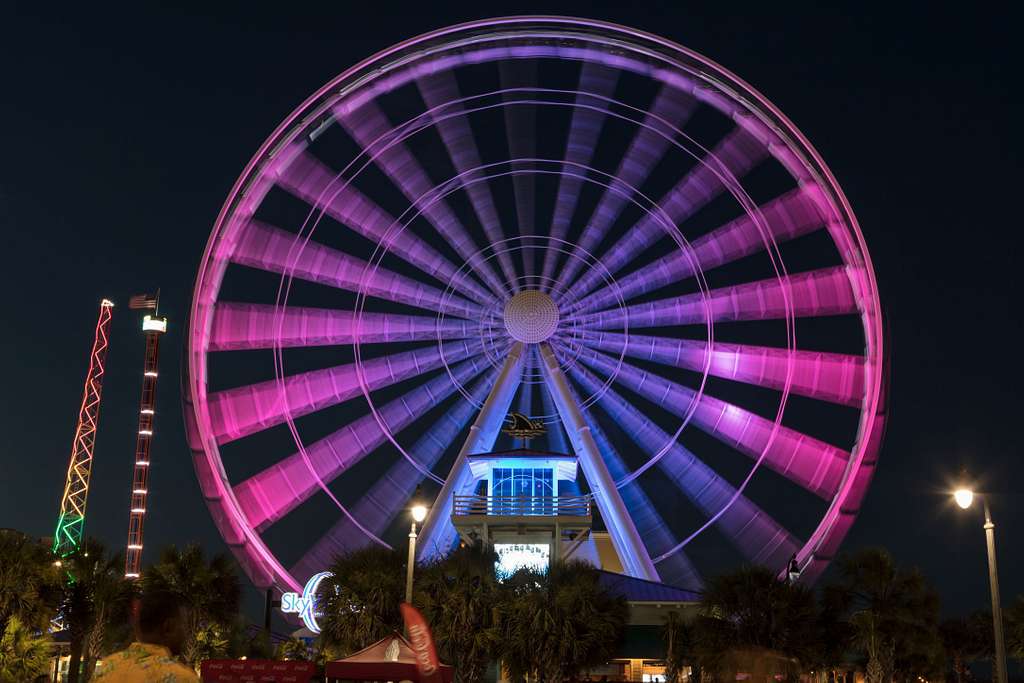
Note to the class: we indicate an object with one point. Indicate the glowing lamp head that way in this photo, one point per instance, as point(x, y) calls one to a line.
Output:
point(418, 507)
point(963, 497)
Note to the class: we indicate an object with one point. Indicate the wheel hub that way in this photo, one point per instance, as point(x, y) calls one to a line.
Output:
point(531, 316)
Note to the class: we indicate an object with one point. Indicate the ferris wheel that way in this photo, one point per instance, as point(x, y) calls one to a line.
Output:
point(580, 222)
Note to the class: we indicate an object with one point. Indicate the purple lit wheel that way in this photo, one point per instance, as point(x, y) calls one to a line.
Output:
point(588, 191)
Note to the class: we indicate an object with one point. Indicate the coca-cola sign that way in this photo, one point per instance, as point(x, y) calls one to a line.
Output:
point(422, 642)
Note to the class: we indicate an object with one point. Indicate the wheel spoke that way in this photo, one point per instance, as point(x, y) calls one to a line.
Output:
point(815, 465)
point(833, 377)
point(596, 83)
point(371, 129)
point(520, 129)
point(734, 156)
point(787, 217)
point(750, 529)
point(274, 250)
point(238, 326)
point(245, 410)
point(314, 183)
point(440, 89)
point(822, 292)
point(388, 496)
point(271, 494)
point(676, 569)
point(669, 112)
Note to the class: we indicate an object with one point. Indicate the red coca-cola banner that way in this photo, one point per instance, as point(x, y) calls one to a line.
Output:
point(255, 670)
point(422, 642)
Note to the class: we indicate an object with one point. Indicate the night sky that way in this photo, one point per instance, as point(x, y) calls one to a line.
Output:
point(124, 130)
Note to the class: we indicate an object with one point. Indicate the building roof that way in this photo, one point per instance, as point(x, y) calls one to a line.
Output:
point(523, 453)
point(642, 590)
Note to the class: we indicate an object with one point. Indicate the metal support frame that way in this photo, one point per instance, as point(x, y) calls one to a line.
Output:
point(576, 543)
point(438, 534)
point(153, 328)
point(71, 521)
point(635, 558)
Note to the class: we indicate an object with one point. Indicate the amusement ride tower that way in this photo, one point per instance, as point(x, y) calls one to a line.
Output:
point(152, 327)
point(71, 522)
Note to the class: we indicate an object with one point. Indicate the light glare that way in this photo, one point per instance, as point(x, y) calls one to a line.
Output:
point(419, 512)
point(963, 497)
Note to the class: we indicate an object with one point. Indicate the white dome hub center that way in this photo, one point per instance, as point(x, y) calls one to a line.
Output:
point(531, 316)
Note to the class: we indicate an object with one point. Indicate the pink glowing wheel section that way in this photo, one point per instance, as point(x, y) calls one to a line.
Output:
point(512, 205)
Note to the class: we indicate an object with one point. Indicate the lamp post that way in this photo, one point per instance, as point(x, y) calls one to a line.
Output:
point(419, 513)
point(964, 498)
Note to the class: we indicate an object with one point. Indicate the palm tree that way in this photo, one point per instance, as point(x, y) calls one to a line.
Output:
point(834, 634)
point(555, 625)
point(24, 655)
point(209, 591)
point(893, 614)
point(360, 600)
point(966, 642)
point(678, 636)
point(30, 582)
point(459, 596)
point(96, 601)
point(751, 608)
point(1014, 617)
point(210, 641)
point(293, 650)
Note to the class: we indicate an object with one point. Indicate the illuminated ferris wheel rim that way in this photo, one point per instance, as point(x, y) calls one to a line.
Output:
point(564, 36)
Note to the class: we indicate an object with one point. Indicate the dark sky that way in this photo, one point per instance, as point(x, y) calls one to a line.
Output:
point(124, 130)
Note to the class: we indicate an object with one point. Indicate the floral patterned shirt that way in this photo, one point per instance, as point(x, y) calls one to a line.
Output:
point(144, 663)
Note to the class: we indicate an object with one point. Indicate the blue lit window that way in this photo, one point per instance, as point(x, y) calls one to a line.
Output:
point(523, 491)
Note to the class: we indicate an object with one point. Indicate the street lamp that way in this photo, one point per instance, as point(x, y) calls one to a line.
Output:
point(418, 510)
point(964, 497)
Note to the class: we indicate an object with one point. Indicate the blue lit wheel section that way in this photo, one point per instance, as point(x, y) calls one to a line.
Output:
point(538, 245)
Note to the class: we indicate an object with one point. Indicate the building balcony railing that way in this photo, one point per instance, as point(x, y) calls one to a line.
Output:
point(521, 506)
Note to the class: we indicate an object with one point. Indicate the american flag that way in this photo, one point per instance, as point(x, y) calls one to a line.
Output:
point(143, 301)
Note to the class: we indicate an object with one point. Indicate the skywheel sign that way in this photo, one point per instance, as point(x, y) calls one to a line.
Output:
point(304, 604)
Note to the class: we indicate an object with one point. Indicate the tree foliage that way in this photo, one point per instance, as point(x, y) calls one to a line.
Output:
point(893, 614)
point(460, 597)
point(293, 650)
point(555, 625)
point(30, 583)
point(24, 654)
point(966, 639)
point(751, 608)
point(680, 653)
point(95, 605)
point(1014, 617)
point(359, 603)
point(209, 591)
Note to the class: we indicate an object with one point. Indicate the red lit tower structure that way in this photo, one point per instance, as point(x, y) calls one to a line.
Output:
point(152, 327)
point(71, 521)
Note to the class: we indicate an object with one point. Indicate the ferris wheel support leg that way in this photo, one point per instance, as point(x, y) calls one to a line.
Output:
point(438, 534)
point(635, 559)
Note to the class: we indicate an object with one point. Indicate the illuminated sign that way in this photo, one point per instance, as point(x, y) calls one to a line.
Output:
point(151, 324)
point(514, 556)
point(305, 604)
